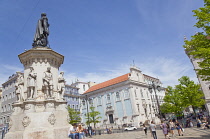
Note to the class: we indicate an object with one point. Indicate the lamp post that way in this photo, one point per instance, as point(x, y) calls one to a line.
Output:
point(153, 86)
point(86, 100)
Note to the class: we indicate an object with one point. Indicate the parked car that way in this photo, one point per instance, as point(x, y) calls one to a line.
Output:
point(130, 128)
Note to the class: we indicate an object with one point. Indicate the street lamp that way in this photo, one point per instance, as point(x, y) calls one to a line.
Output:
point(86, 100)
point(154, 87)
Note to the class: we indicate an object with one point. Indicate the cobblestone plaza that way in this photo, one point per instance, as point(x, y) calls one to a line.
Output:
point(190, 133)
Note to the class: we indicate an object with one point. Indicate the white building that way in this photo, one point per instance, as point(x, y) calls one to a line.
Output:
point(124, 100)
point(83, 86)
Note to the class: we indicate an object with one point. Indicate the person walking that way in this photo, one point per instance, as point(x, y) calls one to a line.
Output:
point(164, 128)
point(171, 126)
point(145, 129)
point(179, 128)
point(153, 130)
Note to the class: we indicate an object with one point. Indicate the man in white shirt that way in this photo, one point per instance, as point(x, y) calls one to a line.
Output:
point(153, 130)
point(73, 131)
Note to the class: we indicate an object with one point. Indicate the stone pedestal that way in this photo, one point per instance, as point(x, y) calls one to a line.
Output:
point(39, 116)
point(39, 120)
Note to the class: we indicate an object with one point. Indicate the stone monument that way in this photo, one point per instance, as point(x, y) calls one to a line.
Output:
point(40, 112)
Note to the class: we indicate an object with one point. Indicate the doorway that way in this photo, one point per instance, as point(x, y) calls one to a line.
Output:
point(111, 120)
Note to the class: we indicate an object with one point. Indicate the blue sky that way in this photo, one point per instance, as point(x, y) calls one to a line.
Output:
point(101, 38)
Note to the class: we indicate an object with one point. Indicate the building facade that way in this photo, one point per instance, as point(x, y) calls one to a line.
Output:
point(72, 97)
point(205, 85)
point(124, 100)
point(8, 98)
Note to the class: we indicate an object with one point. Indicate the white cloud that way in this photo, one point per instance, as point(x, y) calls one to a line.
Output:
point(167, 70)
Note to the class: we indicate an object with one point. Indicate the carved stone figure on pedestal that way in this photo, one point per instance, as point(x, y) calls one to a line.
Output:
point(19, 87)
point(48, 83)
point(31, 82)
point(61, 85)
point(42, 32)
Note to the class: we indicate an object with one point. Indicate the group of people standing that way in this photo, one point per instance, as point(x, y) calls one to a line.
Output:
point(170, 127)
point(167, 127)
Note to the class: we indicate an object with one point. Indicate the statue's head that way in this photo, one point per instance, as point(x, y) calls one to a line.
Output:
point(43, 14)
point(31, 68)
point(48, 68)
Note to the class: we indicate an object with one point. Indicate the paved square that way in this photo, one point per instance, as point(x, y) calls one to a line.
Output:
point(190, 133)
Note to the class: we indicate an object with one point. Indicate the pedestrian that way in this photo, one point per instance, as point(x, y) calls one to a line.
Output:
point(171, 126)
point(198, 123)
point(165, 129)
point(153, 130)
point(145, 129)
point(179, 128)
point(191, 124)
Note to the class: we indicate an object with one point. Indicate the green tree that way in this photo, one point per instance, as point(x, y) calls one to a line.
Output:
point(93, 116)
point(74, 116)
point(172, 102)
point(199, 45)
point(183, 95)
point(191, 95)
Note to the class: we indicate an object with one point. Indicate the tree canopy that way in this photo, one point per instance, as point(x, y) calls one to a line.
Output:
point(183, 95)
point(199, 45)
point(74, 116)
point(93, 116)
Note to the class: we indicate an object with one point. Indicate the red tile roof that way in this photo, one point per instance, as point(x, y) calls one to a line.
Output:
point(109, 83)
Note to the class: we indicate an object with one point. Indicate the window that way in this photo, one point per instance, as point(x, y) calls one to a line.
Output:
point(83, 102)
point(141, 93)
point(138, 107)
point(147, 94)
point(117, 96)
point(9, 106)
point(83, 87)
point(135, 93)
point(108, 99)
point(99, 101)
point(10, 95)
point(72, 106)
point(5, 97)
point(126, 94)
